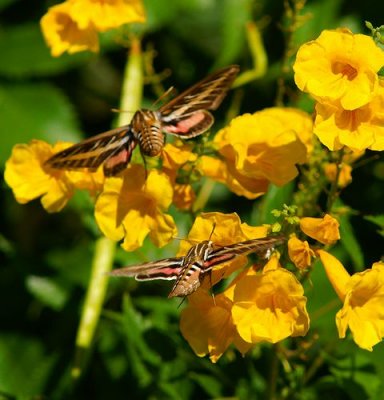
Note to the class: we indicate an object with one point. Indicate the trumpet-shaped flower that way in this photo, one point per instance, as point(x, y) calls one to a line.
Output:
point(175, 158)
point(358, 129)
point(300, 253)
point(29, 178)
point(339, 66)
point(73, 25)
point(207, 325)
point(62, 32)
point(261, 148)
point(227, 174)
point(104, 15)
point(363, 295)
point(131, 207)
point(270, 306)
point(325, 230)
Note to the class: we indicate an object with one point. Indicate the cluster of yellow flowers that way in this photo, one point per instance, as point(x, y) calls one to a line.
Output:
point(339, 70)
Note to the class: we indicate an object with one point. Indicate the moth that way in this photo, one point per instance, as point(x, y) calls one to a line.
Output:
point(189, 271)
point(186, 116)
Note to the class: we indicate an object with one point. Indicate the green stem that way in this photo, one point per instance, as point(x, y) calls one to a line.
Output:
point(101, 265)
point(259, 56)
point(132, 90)
point(203, 196)
point(104, 247)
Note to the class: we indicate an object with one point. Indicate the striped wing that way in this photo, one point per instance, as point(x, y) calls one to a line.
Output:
point(113, 148)
point(226, 253)
point(187, 115)
point(167, 268)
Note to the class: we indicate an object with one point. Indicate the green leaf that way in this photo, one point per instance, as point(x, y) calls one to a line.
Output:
point(350, 243)
point(236, 13)
point(365, 382)
point(49, 292)
point(138, 350)
point(273, 199)
point(377, 220)
point(24, 366)
point(34, 111)
point(210, 384)
point(5, 3)
point(25, 54)
point(160, 13)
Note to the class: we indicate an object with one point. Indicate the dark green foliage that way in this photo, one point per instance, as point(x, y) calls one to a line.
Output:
point(138, 351)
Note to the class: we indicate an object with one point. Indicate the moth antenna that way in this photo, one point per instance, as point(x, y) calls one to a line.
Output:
point(186, 239)
point(213, 229)
point(165, 94)
point(118, 110)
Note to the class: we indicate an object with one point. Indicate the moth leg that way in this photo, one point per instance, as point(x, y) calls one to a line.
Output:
point(211, 285)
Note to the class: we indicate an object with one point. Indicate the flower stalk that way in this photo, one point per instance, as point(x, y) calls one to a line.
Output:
point(104, 247)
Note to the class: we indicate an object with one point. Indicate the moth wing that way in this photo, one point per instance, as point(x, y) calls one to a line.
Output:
point(225, 253)
point(167, 269)
point(204, 95)
point(191, 125)
point(92, 152)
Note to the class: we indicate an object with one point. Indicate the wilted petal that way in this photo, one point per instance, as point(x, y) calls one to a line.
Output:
point(325, 230)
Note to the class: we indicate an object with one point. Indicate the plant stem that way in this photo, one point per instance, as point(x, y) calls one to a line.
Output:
point(105, 248)
point(101, 265)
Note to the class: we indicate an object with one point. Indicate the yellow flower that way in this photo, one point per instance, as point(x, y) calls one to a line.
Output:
point(300, 253)
point(183, 196)
point(336, 273)
point(345, 175)
point(325, 230)
point(270, 306)
point(207, 325)
point(131, 207)
point(73, 25)
point(358, 129)
point(339, 66)
point(222, 229)
point(362, 293)
point(175, 158)
point(62, 32)
point(262, 148)
point(227, 174)
point(29, 179)
point(104, 15)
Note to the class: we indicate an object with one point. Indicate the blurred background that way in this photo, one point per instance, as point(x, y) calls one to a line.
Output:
point(45, 259)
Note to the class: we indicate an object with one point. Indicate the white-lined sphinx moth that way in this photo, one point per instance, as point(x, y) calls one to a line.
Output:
point(186, 116)
point(190, 270)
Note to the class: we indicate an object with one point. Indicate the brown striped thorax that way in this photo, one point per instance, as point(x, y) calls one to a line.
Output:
point(186, 116)
point(192, 270)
